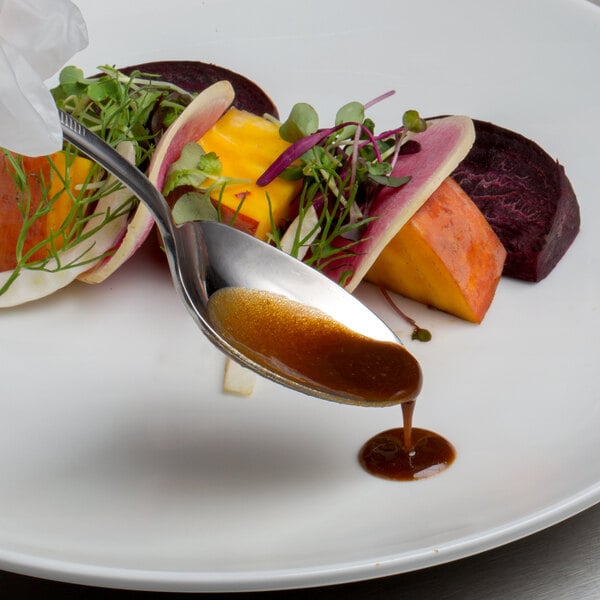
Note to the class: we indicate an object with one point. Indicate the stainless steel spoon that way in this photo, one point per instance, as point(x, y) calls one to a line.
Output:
point(206, 256)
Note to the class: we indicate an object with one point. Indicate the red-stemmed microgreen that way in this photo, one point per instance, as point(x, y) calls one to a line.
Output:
point(341, 166)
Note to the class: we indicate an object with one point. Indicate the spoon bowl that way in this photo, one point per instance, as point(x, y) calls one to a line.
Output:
point(205, 257)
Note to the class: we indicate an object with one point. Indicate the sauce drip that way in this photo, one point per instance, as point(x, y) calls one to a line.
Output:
point(406, 453)
point(311, 348)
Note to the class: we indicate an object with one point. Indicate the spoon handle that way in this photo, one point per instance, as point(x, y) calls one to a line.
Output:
point(106, 156)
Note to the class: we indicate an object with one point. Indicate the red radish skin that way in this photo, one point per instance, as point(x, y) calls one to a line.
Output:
point(194, 122)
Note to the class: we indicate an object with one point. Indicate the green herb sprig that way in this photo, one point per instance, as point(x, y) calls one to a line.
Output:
point(199, 174)
point(119, 107)
point(341, 167)
point(79, 226)
point(136, 107)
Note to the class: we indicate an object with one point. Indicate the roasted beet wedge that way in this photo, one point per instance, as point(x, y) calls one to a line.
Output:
point(525, 196)
point(195, 76)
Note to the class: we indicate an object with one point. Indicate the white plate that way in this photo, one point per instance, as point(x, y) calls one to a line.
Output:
point(122, 464)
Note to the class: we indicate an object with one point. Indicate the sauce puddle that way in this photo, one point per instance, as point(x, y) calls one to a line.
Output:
point(406, 453)
point(309, 347)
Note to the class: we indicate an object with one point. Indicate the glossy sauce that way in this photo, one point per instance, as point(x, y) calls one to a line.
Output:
point(311, 348)
point(406, 453)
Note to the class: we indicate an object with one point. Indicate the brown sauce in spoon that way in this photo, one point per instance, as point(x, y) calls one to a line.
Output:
point(310, 348)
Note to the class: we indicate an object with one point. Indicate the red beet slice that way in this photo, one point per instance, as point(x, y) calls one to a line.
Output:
point(525, 196)
point(195, 76)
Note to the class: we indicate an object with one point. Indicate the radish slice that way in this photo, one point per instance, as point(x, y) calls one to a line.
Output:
point(444, 144)
point(34, 284)
point(126, 236)
point(190, 126)
point(204, 111)
point(238, 380)
point(306, 232)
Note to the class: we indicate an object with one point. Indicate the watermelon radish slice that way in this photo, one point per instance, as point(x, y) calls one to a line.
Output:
point(443, 144)
point(192, 124)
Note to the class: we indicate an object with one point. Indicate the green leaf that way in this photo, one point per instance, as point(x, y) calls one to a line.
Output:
point(318, 158)
point(352, 112)
point(71, 82)
point(303, 121)
point(379, 168)
point(189, 158)
point(189, 177)
point(71, 74)
point(413, 121)
point(393, 182)
point(368, 124)
point(292, 173)
point(191, 168)
point(146, 104)
point(210, 165)
point(194, 206)
point(103, 89)
point(421, 335)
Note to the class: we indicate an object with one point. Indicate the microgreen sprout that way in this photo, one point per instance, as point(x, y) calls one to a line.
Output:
point(418, 333)
point(341, 167)
point(199, 175)
point(119, 107)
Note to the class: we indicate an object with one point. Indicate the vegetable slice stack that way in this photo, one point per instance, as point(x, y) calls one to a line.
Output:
point(50, 251)
point(443, 145)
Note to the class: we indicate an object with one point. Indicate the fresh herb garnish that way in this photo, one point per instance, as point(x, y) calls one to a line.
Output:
point(200, 174)
point(136, 107)
point(341, 168)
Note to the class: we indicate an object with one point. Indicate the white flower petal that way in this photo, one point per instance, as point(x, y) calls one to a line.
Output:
point(36, 38)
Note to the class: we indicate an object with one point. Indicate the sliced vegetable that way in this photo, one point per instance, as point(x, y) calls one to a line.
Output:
point(195, 120)
point(36, 198)
point(526, 197)
point(443, 145)
point(446, 256)
point(246, 145)
point(96, 235)
point(238, 380)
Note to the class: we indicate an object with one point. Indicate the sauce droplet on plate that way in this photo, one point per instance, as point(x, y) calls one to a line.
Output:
point(406, 453)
